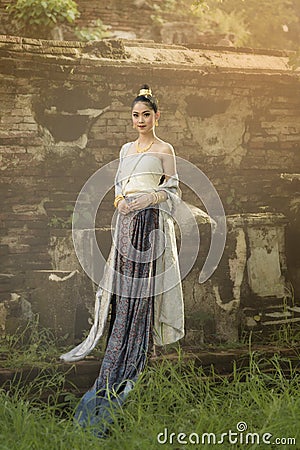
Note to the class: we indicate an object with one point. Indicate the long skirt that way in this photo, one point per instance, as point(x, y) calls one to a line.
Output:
point(130, 331)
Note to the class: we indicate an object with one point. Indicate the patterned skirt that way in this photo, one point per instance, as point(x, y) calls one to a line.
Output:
point(130, 331)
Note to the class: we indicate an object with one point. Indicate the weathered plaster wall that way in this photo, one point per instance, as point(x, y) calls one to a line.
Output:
point(65, 111)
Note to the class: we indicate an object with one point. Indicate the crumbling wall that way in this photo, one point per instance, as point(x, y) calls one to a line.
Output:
point(65, 112)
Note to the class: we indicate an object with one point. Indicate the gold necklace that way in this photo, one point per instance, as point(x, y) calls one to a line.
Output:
point(145, 149)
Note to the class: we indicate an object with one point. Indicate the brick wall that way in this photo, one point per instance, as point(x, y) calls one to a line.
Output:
point(65, 112)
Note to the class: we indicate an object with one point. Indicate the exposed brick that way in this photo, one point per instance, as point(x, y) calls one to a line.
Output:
point(243, 150)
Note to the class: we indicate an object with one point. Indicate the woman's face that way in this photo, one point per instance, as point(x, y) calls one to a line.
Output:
point(143, 117)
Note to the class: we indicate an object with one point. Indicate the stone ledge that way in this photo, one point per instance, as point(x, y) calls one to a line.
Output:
point(148, 43)
point(225, 362)
point(120, 51)
point(39, 42)
point(106, 48)
point(251, 50)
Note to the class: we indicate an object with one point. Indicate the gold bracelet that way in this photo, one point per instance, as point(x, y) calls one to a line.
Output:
point(155, 198)
point(158, 197)
point(161, 196)
point(118, 199)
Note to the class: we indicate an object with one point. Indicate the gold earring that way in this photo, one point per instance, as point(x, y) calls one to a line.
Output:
point(156, 123)
point(133, 126)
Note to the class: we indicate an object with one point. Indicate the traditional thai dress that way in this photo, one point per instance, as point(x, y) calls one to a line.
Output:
point(141, 287)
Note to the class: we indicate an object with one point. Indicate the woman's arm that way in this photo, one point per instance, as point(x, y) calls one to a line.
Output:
point(168, 161)
point(118, 183)
point(120, 202)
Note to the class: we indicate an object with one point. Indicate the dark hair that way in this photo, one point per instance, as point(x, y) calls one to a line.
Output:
point(148, 99)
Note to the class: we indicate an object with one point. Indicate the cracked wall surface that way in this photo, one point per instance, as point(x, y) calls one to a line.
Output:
point(65, 112)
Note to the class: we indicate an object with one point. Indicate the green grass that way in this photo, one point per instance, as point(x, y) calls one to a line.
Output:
point(177, 396)
point(30, 345)
point(36, 346)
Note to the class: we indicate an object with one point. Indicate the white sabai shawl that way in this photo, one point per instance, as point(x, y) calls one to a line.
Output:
point(168, 299)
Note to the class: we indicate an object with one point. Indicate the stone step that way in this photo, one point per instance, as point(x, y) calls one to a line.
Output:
point(217, 363)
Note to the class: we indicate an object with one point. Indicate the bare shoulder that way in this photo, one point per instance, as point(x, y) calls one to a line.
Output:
point(127, 144)
point(165, 148)
point(124, 149)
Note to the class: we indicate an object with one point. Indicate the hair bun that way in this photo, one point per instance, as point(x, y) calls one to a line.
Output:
point(145, 90)
point(145, 96)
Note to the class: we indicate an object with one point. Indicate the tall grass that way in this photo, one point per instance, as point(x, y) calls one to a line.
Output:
point(178, 397)
point(34, 345)
point(30, 345)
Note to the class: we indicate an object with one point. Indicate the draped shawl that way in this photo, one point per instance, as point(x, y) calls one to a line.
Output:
point(168, 318)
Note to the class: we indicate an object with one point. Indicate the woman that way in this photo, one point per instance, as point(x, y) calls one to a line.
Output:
point(141, 283)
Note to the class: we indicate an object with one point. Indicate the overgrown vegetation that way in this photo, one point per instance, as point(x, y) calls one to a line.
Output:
point(30, 345)
point(37, 18)
point(35, 346)
point(271, 23)
point(96, 33)
point(177, 397)
point(267, 24)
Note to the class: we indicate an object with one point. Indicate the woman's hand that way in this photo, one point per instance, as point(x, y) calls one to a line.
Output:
point(141, 202)
point(123, 207)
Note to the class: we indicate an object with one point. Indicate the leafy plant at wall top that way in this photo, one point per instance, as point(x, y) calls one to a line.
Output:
point(98, 32)
point(224, 23)
point(268, 24)
point(271, 23)
point(36, 18)
point(208, 17)
point(183, 8)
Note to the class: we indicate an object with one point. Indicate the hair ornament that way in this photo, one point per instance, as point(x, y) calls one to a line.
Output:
point(145, 92)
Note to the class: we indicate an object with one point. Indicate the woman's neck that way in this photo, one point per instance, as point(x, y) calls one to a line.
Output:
point(145, 139)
